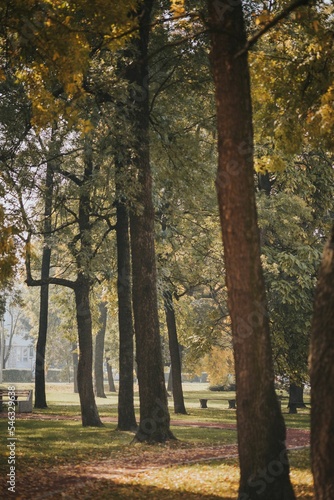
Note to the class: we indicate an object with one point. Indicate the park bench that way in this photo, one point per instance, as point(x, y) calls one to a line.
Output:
point(231, 402)
point(22, 398)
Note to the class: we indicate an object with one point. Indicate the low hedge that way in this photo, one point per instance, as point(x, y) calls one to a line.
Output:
point(15, 375)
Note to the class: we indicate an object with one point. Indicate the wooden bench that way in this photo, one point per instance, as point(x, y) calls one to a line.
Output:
point(231, 402)
point(22, 398)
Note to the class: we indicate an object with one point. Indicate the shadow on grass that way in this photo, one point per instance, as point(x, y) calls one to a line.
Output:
point(85, 488)
point(104, 489)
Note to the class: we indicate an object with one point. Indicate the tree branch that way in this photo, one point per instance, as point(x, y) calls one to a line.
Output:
point(290, 8)
point(47, 281)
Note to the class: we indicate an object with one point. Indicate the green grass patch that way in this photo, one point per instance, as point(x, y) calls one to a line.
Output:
point(51, 445)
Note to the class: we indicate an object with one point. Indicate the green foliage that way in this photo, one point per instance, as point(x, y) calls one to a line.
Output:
point(50, 43)
point(294, 220)
point(293, 82)
point(8, 258)
point(15, 375)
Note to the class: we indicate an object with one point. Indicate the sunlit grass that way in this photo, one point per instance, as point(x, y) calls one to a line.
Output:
point(58, 439)
point(220, 479)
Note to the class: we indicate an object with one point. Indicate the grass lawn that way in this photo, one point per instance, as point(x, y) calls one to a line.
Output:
point(57, 452)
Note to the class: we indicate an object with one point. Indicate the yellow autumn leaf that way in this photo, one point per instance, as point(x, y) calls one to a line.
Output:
point(263, 18)
point(177, 7)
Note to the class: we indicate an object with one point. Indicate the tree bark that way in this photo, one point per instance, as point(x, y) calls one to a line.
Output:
point(170, 380)
point(264, 467)
point(40, 395)
point(99, 352)
point(89, 413)
point(154, 423)
point(126, 410)
point(296, 397)
point(174, 349)
point(75, 359)
point(111, 382)
point(322, 378)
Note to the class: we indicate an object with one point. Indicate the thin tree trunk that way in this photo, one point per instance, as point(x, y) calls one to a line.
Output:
point(89, 413)
point(154, 423)
point(170, 380)
point(264, 467)
point(126, 410)
point(75, 359)
point(99, 352)
point(40, 395)
point(111, 382)
point(174, 350)
point(322, 378)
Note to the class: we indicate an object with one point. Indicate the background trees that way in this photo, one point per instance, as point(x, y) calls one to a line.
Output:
point(130, 91)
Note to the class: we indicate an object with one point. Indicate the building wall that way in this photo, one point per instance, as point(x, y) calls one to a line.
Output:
point(22, 356)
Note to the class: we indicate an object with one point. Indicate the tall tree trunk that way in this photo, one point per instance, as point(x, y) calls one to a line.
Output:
point(126, 410)
point(40, 395)
point(174, 350)
point(154, 423)
point(89, 413)
point(322, 378)
point(264, 467)
point(170, 380)
point(296, 397)
point(99, 352)
point(111, 382)
point(75, 359)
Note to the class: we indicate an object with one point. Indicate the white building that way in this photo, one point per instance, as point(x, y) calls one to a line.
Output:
point(22, 353)
point(18, 345)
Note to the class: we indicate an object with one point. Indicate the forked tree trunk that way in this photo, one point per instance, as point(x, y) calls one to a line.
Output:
point(154, 423)
point(264, 467)
point(174, 350)
point(99, 352)
point(126, 410)
point(322, 378)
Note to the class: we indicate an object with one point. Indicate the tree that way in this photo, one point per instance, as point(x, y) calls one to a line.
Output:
point(294, 214)
point(83, 252)
point(99, 351)
point(175, 355)
point(154, 425)
point(322, 377)
point(40, 395)
point(261, 429)
point(126, 411)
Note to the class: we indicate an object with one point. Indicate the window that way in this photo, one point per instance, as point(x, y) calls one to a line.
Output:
point(25, 354)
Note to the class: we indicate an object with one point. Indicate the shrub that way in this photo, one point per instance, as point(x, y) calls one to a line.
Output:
point(15, 375)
